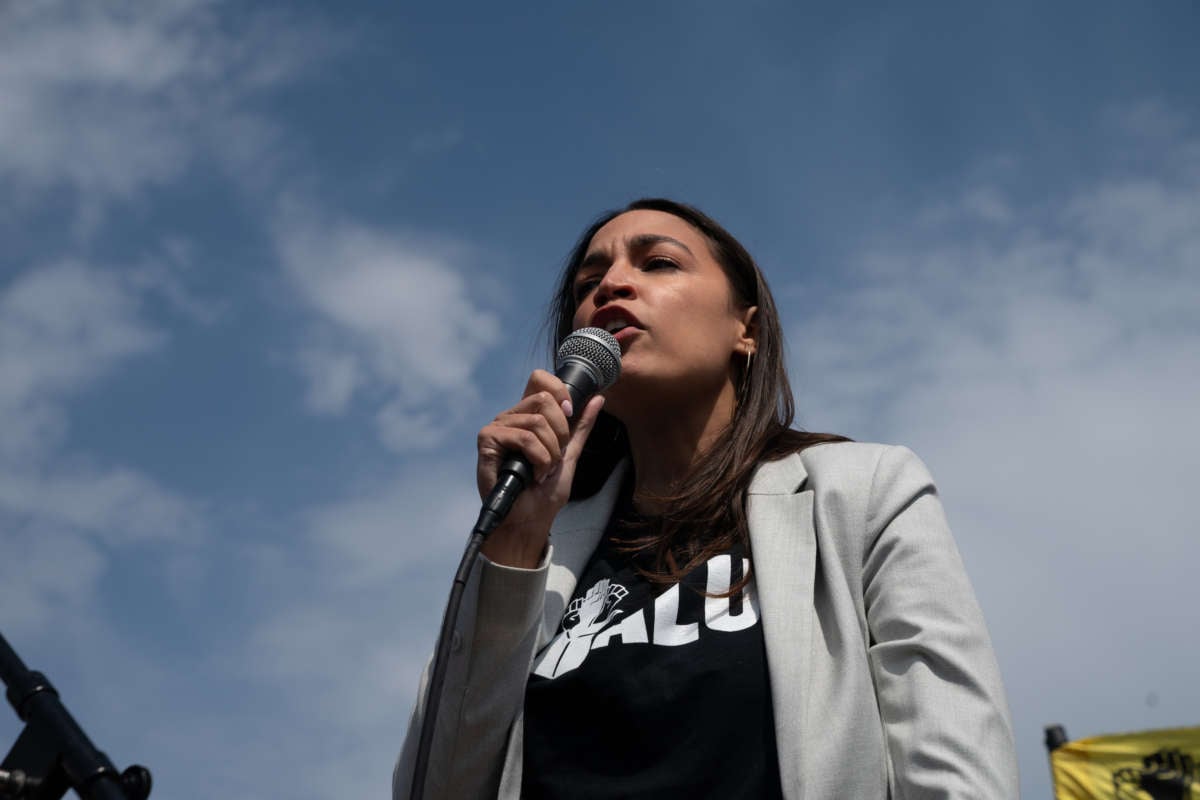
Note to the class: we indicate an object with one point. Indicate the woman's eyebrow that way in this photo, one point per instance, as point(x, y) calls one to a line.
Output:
point(643, 241)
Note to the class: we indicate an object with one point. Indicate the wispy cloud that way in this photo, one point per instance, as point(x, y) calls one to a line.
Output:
point(398, 326)
point(108, 99)
point(54, 577)
point(117, 503)
point(109, 104)
point(62, 327)
point(1042, 358)
point(400, 528)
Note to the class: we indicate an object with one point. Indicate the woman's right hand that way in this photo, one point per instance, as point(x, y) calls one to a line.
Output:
point(537, 428)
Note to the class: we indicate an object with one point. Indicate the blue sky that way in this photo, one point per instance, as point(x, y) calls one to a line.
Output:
point(267, 269)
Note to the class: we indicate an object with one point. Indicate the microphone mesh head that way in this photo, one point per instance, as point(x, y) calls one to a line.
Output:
point(597, 347)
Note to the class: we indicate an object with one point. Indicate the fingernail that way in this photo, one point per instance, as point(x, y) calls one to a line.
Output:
point(567, 408)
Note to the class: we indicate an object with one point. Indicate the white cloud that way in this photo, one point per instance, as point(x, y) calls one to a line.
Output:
point(333, 377)
point(110, 98)
point(1043, 361)
point(116, 504)
point(398, 325)
point(62, 327)
point(48, 574)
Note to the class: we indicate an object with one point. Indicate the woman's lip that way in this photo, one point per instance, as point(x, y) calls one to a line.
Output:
point(625, 334)
point(613, 313)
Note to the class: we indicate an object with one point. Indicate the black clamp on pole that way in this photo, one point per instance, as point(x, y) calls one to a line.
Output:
point(53, 754)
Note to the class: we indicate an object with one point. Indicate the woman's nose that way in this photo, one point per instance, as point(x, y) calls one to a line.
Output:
point(618, 283)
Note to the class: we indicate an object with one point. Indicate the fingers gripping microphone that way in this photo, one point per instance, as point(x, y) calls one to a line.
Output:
point(589, 361)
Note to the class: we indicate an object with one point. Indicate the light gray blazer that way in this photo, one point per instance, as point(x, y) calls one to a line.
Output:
point(882, 676)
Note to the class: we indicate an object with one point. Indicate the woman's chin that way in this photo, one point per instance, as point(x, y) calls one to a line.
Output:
point(637, 394)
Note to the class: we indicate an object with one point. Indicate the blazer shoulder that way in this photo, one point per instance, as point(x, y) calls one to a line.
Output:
point(862, 468)
point(843, 457)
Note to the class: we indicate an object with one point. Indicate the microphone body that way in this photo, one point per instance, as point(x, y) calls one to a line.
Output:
point(589, 361)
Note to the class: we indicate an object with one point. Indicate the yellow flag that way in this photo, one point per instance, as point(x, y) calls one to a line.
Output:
point(1148, 765)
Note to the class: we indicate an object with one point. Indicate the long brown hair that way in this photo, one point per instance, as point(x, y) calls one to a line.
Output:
point(706, 514)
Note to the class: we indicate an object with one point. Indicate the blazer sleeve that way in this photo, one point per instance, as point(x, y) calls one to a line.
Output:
point(494, 639)
point(945, 718)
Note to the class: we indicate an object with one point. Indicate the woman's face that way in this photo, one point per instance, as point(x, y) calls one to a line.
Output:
point(651, 279)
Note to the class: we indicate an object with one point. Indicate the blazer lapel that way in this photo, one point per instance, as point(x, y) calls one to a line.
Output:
point(783, 549)
point(574, 536)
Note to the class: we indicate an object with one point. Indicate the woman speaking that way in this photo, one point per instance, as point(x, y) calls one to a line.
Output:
point(692, 599)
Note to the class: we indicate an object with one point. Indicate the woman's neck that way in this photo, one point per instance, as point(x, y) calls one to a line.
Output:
point(664, 446)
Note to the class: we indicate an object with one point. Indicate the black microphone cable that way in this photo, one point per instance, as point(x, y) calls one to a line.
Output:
point(589, 361)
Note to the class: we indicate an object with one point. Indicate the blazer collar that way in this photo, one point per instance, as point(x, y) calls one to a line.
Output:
point(784, 476)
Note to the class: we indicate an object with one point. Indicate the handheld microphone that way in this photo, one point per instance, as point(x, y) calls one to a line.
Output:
point(589, 361)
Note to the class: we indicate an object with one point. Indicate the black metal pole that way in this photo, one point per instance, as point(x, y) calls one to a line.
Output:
point(1056, 737)
point(53, 753)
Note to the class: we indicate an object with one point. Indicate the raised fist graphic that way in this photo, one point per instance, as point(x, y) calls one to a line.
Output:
point(585, 617)
point(1166, 775)
point(589, 616)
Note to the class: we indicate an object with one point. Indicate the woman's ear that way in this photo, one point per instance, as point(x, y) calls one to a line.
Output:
point(748, 336)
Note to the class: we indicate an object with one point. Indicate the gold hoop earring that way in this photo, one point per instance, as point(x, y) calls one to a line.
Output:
point(745, 387)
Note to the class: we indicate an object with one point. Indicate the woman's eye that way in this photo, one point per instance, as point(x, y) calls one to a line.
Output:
point(659, 262)
point(584, 288)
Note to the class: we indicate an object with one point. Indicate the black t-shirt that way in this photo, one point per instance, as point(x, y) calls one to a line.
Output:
point(646, 695)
